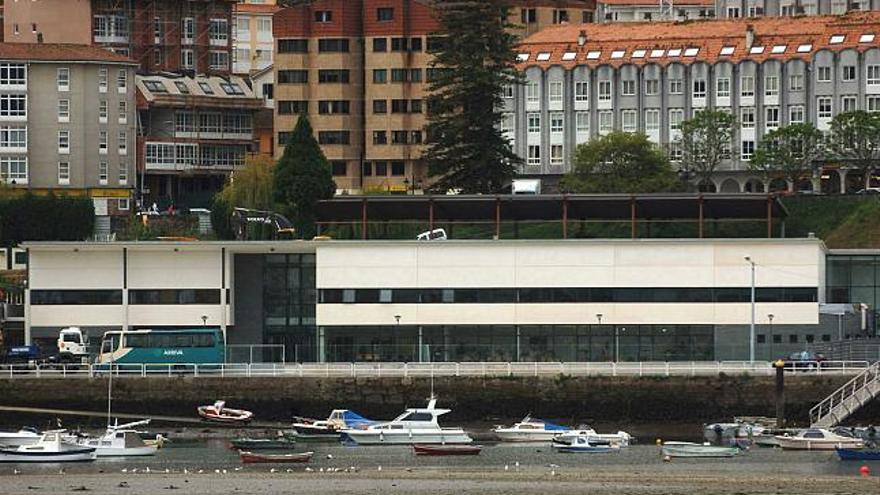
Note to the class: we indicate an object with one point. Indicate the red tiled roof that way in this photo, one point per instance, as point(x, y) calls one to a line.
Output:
point(708, 36)
point(560, 4)
point(52, 52)
point(655, 3)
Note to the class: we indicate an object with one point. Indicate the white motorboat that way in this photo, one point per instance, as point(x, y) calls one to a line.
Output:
point(120, 441)
point(688, 449)
point(51, 447)
point(529, 430)
point(414, 426)
point(819, 439)
point(620, 439)
point(584, 444)
point(24, 436)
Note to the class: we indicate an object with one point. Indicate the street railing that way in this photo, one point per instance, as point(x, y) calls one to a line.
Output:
point(466, 369)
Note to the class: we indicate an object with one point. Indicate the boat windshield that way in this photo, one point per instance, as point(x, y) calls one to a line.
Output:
point(417, 416)
point(814, 434)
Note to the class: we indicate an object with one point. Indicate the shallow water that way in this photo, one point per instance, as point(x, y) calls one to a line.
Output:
point(214, 454)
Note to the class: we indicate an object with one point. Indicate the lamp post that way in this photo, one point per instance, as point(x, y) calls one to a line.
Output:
point(752, 323)
point(770, 317)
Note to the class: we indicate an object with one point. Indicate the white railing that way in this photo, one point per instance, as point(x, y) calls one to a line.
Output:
point(476, 369)
point(837, 406)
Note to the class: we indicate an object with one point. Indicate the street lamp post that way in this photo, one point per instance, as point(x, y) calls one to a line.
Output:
point(752, 323)
point(770, 317)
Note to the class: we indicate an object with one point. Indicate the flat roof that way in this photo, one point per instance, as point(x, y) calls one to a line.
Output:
point(525, 207)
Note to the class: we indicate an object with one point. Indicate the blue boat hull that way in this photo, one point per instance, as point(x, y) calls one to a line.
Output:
point(858, 455)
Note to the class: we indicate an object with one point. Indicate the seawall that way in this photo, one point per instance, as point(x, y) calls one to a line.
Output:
point(605, 400)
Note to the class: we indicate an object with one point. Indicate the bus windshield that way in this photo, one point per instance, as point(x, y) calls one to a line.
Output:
point(109, 343)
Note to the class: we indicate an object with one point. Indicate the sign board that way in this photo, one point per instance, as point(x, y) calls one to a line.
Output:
point(101, 208)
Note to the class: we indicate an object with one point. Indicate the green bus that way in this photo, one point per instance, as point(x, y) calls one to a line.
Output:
point(187, 346)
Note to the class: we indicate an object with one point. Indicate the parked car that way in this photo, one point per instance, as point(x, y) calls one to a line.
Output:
point(869, 190)
point(804, 360)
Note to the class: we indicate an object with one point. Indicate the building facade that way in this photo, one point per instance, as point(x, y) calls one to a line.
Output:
point(161, 35)
point(253, 45)
point(67, 123)
point(647, 10)
point(360, 69)
point(196, 131)
point(758, 8)
point(583, 82)
point(583, 300)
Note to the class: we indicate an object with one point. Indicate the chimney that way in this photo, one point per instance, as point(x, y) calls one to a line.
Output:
point(582, 38)
point(750, 36)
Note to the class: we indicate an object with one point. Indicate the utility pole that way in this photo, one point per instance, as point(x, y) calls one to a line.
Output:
point(752, 323)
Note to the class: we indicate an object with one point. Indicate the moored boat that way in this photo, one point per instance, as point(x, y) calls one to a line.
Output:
point(819, 439)
point(311, 429)
point(51, 447)
point(688, 449)
point(441, 450)
point(219, 413)
point(529, 430)
point(415, 425)
point(858, 455)
point(583, 444)
point(24, 436)
point(262, 443)
point(619, 439)
point(120, 441)
point(254, 458)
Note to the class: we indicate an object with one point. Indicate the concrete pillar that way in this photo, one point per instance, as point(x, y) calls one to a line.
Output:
point(27, 316)
point(842, 174)
point(421, 346)
point(321, 356)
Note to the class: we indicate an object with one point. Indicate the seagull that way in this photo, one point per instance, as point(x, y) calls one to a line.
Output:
point(16, 471)
point(289, 470)
point(134, 470)
point(61, 471)
point(201, 471)
point(380, 468)
point(329, 456)
point(147, 470)
point(553, 472)
point(185, 471)
point(167, 471)
point(124, 470)
point(238, 468)
point(507, 467)
point(309, 470)
point(224, 471)
point(216, 471)
point(320, 470)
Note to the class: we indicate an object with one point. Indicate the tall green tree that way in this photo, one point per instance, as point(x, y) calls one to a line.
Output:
point(705, 141)
point(252, 186)
point(792, 151)
point(465, 148)
point(621, 162)
point(302, 177)
point(854, 138)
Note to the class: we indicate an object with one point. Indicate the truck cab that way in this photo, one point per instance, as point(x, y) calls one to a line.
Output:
point(72, 345)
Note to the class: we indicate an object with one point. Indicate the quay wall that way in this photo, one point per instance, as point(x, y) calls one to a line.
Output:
point(600, 400)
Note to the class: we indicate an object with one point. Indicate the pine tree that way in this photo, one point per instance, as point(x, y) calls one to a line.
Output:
point(465, 147)
point(302, 178)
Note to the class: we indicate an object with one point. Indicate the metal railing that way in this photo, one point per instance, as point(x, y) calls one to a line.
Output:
point(837, 406)
point(472, 369)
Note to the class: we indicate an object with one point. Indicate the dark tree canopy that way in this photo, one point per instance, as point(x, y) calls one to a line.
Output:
point(29, 217)
point(854, 138)
point(621, 162)
point(465, 147)
point(302, 177)
point(790, 152)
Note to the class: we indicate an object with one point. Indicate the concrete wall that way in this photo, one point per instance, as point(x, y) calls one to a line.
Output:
point(618, 401)
point(59, 21)
point(654, 263)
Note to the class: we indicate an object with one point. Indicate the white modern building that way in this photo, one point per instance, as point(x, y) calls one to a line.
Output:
point(568, 300)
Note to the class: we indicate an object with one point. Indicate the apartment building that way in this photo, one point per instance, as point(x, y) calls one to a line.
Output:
point(585, 81)
point(161, 35)
point(360, 69)
point(758, 8)
point(67, 123)
point(253, 45)
point(195, 132)
point(648, 10)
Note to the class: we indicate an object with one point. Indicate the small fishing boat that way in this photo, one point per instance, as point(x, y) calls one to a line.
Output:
point(583, 444)
point(24, 436)
point(252, 458)
point(819, 439)
point(120, 441)
point(440, 450)
point(529, 430)
point(219, 413)
point(316, 430)
point(858, 455)
point(688, 449)
point(51, 447)
point(619, 439)
point(262, 443)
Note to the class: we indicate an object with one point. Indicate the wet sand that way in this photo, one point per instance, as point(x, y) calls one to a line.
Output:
point(439, 481)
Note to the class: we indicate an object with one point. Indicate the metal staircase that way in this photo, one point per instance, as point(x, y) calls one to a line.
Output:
point(847, 399)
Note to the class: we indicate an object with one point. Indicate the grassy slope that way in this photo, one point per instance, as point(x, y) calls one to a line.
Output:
point(842, 221)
